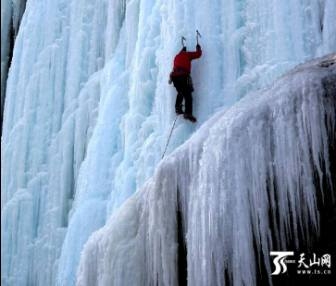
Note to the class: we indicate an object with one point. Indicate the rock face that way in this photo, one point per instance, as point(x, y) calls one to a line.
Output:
point(257, 177)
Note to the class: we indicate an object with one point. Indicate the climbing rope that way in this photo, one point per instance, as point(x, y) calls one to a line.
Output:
point(171, 132)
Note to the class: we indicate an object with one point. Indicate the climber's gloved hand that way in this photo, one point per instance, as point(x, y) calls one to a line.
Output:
point(198, 46)
point(170, 78)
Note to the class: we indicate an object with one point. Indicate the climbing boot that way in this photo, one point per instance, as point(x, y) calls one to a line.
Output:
point(190, 117)
point(179, 111)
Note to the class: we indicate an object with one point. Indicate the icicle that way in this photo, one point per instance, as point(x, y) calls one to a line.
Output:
point(244, 179)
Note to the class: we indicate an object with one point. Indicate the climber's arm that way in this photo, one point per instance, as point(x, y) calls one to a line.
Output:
point(197, 54)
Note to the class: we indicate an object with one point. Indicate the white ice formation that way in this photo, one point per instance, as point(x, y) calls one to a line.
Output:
point(88, 108)
point(11, 14)
point(246, 176)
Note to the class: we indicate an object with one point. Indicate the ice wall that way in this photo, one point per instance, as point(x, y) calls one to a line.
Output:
point(50, 108)
point(235, 182)
point(11, 14)
point(88, 81)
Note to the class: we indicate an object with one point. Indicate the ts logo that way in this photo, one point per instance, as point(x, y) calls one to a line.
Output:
point(279, 261)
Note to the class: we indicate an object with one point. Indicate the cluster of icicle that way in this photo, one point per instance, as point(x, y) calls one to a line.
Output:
point(88, 108)
point(256, 158)
point(11, 14)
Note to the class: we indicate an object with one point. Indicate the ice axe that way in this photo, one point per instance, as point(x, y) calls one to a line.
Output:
point(183, 39)
point(198, 35)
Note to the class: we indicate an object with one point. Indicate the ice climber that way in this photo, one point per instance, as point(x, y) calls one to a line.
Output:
point(180, 77)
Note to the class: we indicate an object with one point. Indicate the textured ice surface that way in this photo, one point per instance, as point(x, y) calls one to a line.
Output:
point(11, 14)
point(88, 107)
point(235, 181)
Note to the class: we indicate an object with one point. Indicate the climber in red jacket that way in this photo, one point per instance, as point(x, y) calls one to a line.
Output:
point(180, 77)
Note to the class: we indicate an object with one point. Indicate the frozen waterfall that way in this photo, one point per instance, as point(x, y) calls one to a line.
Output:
point(11, 14)
point(246, 176)
point(88, 111)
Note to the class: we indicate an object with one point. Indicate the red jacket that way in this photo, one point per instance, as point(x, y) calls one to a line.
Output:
point(182, 61)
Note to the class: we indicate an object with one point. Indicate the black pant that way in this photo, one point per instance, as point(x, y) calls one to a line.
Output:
point(184, 87)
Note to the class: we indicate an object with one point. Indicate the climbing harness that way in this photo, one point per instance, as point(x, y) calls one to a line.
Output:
point(171, 132)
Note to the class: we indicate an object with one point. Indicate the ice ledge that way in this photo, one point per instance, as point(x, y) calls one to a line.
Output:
point(246, 183)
